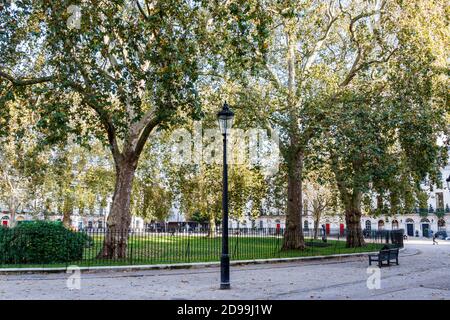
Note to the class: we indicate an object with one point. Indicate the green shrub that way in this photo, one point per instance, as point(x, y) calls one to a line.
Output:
point(41, 242)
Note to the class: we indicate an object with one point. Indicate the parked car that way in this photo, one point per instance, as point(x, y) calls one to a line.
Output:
point(441, 235)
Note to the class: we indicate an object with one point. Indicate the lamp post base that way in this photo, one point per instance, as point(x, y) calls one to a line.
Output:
point(225, 271)
point(225, 286)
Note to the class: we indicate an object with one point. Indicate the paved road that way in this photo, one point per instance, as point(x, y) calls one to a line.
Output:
point(423, 273)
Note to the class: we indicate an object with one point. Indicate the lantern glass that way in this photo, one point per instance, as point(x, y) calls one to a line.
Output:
point(225, 117)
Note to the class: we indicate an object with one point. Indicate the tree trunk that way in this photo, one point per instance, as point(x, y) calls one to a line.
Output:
point(67, 212)
point(67, 221)
point(316, 227)
point(354, 232)
point(355, 237)
point(293, 234)
point(212, 227)
point(119, 218)
point(12, 216)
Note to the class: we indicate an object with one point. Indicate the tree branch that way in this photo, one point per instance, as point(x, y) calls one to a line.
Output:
point(145, 133)
point(142, 10)
point(273, 77)
point(24, 82)
point(355, 67)
point(105, 119)
point(352, 73)
point(318, 45)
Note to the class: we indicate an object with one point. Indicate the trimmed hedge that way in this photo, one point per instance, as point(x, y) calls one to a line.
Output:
point(41, 242)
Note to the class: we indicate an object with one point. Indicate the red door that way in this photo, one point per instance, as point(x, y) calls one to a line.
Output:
point(278, 228)
point(5, 223)
point(341, 229)
point(327, 228)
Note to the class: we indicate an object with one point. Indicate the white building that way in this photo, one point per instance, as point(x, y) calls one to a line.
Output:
point(414, 224)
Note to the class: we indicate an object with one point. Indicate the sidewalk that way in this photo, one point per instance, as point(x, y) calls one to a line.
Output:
point(422, 274)
point(128, 268)
point(423, 240)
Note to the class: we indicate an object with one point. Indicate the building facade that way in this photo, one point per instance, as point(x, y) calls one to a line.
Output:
point(435, 218)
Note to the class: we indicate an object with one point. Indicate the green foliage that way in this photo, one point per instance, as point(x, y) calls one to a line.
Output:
point(423, 212)
point(440, 212)
point(350, 85)
point(41, 242)
point(198, 217)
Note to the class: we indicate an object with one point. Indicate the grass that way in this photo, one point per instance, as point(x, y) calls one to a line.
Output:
point(167, 249)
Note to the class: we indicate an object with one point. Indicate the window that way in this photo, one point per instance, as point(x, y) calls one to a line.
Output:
point(89, 224)
point(306, 224)
point(394, 224)
point(261, 224)
point(439, 200)
point(381, 225)
point(368, 225)
point(100, 224)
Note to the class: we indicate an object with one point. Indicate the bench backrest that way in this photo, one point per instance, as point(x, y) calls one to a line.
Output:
point(384, 253)
point(394, 251)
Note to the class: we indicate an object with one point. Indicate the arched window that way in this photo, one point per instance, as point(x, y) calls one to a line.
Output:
point(380, 225)
point(409, 220)
point(425, 220)
point(100, 224)
point(368, 225)
point(394, 224)
point(89, 224)
point(306, 225)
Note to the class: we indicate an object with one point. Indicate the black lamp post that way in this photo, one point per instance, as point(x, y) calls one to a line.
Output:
point(225, 117)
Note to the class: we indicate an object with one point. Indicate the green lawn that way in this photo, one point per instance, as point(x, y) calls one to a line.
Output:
point(163, 248)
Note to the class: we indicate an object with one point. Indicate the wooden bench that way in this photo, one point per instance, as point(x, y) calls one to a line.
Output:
point(384, 255)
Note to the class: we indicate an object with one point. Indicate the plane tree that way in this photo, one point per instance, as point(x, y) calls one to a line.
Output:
point(118, 71)
point(314, 49)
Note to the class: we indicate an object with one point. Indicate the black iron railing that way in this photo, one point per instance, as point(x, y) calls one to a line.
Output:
point(178, 246)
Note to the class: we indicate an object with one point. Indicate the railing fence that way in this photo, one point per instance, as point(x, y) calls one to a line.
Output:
point(181, 246)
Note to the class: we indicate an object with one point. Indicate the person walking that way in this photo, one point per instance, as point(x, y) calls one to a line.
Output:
point(434, 239)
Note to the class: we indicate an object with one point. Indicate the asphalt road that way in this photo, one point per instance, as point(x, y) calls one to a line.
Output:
point(423, 273)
